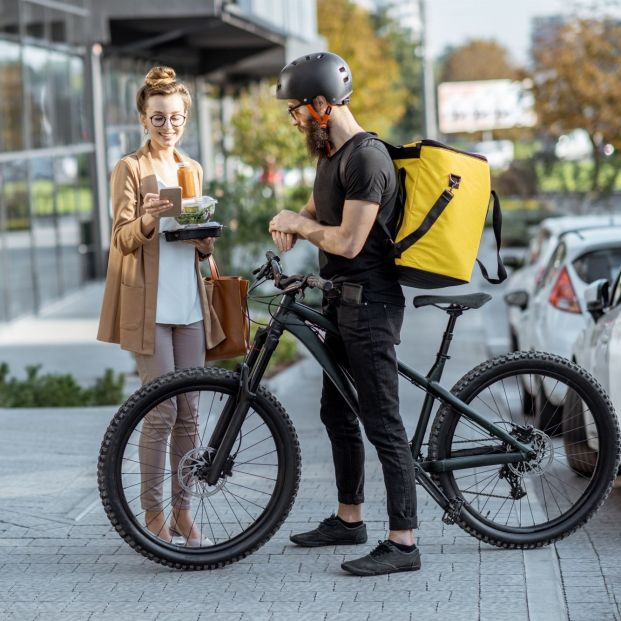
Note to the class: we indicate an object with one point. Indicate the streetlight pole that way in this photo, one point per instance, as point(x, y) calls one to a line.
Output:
point(429, 98)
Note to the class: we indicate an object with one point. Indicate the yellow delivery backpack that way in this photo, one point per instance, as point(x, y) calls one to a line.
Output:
point(445, 196)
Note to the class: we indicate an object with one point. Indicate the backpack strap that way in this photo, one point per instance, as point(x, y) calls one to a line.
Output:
point(496, 227)
point(430, 219)
point(353, 143)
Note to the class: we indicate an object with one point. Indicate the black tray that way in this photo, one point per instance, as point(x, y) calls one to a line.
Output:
point(211, 229)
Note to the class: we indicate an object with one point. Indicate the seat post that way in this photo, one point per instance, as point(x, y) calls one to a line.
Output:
point(435, 373)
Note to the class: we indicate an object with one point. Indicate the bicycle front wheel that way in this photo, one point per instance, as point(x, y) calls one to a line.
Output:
point(531, 503)
point(155, 457)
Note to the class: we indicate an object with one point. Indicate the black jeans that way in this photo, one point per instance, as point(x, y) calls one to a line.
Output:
point(369, 333)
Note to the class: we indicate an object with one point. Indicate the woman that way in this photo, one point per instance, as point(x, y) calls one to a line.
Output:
point(154, 301)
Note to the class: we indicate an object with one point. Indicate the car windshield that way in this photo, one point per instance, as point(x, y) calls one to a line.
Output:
point(603, 263)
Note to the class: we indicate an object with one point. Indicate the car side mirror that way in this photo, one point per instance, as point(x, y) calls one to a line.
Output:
point(517, 298)
point(597, 297)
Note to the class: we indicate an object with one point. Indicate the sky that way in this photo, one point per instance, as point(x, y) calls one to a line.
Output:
point(453, 22)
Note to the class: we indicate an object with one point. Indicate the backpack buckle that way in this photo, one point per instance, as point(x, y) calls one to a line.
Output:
point(454, 181)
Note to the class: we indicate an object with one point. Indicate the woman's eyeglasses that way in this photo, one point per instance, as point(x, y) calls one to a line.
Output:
point(159, 120)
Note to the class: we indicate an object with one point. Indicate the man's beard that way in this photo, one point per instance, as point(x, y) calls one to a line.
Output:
point(317, 138)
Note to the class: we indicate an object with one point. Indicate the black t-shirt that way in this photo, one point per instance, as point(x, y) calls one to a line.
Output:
point(368, 174)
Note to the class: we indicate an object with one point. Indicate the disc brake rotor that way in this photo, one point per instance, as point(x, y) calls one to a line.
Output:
point(189, 473)
point(542, 444)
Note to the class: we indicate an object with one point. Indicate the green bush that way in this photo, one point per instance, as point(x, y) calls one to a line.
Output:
point(57, 390)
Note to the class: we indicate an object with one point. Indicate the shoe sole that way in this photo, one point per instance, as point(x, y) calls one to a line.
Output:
point(358, 572)
point(306, 544)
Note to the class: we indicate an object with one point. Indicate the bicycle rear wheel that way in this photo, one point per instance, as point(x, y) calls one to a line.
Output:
point(531, 503)
point(236, 515)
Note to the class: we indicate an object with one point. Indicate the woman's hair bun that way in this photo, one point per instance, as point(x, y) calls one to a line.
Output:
point(160, 76)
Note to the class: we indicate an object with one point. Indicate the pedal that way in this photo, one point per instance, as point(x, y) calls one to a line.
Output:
point(453, 511)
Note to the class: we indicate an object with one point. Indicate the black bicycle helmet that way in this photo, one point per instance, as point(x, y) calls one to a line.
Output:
point(322, 73)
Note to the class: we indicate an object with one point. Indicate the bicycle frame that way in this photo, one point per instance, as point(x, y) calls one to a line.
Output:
point(302, 322)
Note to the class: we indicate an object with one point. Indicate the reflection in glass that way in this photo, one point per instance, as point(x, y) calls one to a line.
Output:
point(44, 233)
point(67, 169)
point(85, 216)
point(17, 260)
point(11, 115)
point(38, 96)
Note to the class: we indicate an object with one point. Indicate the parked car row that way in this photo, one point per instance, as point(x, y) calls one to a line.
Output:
point(562, 302)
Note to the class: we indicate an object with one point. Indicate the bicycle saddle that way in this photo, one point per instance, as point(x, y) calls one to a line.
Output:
point(472, 300)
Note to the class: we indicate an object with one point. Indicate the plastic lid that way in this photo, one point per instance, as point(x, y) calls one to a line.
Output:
point(201, 201)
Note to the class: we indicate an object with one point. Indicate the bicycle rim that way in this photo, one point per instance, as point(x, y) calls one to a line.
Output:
point(537, 501)
point(158, 465)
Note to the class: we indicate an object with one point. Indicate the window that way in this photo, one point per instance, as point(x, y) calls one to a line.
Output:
point(604, 263)
point(556, 260)
point(17, 259)
point(44, 229)
point(11, 114)
point(39, 96)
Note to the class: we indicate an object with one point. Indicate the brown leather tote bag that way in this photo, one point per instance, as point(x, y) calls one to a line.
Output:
point(229, 298)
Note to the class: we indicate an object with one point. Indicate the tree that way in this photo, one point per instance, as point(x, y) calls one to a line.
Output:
point(377, 101)
point(403, 46)
point(577, 86)
point(263, 133)
point(478, 60)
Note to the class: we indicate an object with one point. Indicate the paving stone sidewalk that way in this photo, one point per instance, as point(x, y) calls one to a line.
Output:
point(59, 558)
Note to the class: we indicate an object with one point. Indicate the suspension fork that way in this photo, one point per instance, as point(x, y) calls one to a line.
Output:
point(236, 408)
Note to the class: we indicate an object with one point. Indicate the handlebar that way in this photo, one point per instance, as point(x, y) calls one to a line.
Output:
point(271, 270)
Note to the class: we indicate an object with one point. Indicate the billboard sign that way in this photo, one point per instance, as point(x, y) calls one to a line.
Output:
point(485, 105)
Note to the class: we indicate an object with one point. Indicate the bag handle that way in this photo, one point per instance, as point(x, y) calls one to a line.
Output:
point(213, 268)
point(496, 227)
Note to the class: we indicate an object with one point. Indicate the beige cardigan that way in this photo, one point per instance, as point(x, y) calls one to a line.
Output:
point(130, 295)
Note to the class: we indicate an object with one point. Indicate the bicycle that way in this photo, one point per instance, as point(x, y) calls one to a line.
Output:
point(494, 474)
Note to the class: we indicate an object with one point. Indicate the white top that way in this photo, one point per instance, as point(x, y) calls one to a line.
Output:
point(178, 299)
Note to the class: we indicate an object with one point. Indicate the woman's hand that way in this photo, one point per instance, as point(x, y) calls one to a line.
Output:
point(152, 210)
point(154, 206)
point(204, 246)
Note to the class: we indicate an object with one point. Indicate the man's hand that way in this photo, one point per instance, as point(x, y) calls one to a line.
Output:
point(285, 221)
point(283, 241)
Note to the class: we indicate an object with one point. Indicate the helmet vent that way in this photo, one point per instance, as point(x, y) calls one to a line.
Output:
point(342, 69)
point(346, 79)
point(308, 57)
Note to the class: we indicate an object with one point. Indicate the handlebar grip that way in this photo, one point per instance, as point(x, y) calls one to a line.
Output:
point(316, 282)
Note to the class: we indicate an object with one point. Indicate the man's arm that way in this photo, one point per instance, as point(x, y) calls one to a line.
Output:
point(345, 240)
point(285, 241)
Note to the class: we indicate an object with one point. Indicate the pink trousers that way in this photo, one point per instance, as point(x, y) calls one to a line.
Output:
point(176, 347)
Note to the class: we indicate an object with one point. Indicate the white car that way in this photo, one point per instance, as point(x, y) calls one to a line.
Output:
point(539, 251)
point(598, 350)
point(555, 313)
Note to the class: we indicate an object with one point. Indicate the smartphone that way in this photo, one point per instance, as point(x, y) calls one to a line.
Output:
point(351, 293)
point(174, 196)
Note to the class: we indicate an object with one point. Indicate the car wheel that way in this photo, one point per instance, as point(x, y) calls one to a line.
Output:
point(580, 457)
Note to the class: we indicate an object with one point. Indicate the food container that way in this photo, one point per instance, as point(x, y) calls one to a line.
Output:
point(196, 211)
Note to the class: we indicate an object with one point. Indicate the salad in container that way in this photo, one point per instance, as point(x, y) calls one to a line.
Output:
point(195, 221)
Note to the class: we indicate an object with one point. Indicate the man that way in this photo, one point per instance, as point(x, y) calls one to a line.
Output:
point(354, 184)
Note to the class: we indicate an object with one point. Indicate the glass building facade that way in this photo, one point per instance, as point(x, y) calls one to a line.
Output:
point(69, 73)
point(46, 198)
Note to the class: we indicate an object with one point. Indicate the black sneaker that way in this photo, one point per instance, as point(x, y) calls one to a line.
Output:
point(385, 559)
point(331, 532)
